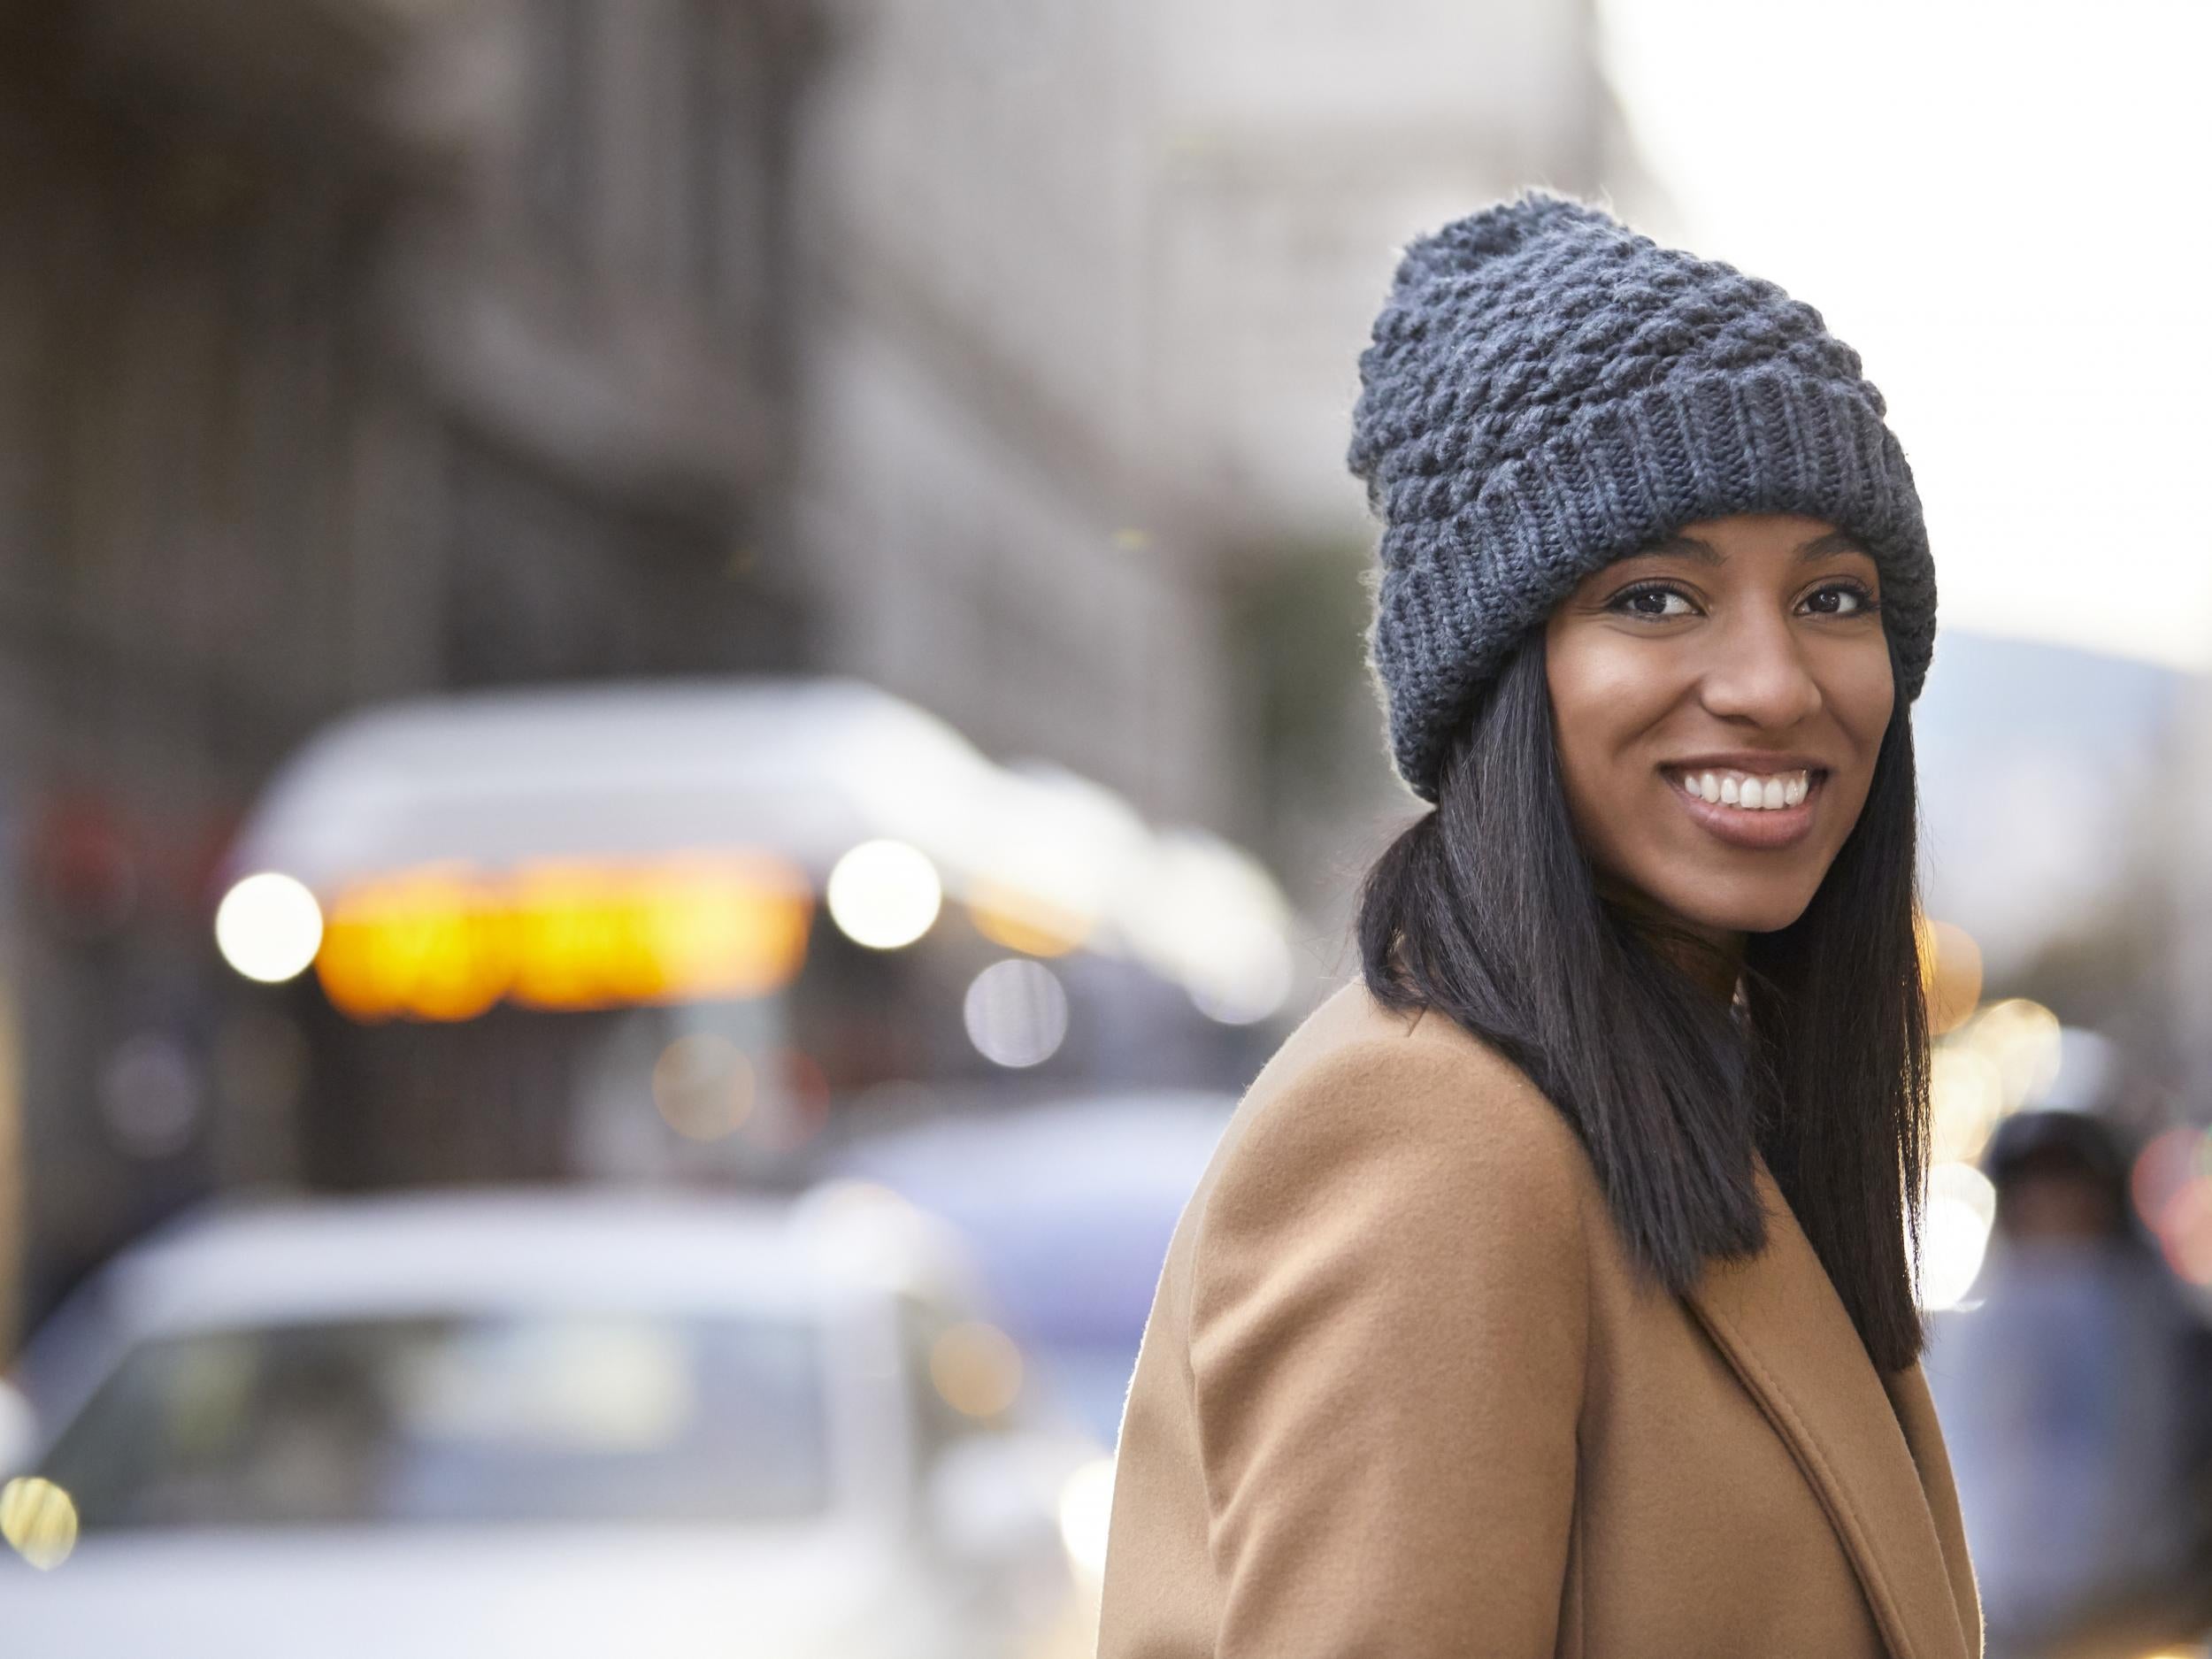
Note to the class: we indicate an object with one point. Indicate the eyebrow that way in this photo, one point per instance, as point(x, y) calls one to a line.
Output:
point(1689, 547)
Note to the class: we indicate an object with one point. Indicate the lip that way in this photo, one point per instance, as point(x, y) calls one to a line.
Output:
point(1767, 830)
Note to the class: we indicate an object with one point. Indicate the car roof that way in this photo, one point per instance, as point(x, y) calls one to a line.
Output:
point(338, 1258)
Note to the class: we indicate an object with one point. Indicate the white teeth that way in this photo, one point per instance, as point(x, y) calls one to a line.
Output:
point(1749, 794)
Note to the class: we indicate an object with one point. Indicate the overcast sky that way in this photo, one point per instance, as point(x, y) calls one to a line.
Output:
point(2004, 207)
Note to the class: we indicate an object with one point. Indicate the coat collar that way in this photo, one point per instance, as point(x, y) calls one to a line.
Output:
point(1869, 1446)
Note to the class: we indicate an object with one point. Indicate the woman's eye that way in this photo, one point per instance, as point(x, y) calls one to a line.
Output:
point(1656, 602)
point(1841, 599)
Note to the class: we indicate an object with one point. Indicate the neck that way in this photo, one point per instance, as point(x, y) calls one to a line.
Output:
point(1709, 957)
point(1713, 960)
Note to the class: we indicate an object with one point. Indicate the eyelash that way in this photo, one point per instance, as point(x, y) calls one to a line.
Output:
point(1868, 604)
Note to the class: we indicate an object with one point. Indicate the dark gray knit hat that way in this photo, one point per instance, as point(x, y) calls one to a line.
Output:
point(1546, 391)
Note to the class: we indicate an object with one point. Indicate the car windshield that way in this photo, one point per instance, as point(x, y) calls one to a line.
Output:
point(536, 1418)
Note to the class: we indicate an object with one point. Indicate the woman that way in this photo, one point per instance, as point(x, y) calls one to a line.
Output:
point(1549, 1292)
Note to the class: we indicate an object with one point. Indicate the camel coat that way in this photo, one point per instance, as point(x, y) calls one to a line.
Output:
point(1401, 1396)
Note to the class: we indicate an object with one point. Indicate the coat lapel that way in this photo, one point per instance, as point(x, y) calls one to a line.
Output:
point(1916, 1416)
point(1777, 1320)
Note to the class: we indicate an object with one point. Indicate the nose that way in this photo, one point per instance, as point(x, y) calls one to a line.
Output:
point(1759, 676)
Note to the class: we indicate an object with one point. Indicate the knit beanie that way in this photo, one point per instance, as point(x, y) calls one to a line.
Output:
point(1546, 391)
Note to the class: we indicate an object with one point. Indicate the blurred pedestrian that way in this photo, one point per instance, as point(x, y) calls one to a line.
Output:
point(2075, 1392)
point(1549, 1292)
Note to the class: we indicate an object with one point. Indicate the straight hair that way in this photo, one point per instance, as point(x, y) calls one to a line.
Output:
point(1487, 909)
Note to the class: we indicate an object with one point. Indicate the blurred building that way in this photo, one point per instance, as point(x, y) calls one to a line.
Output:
point(1087, 287)
point(348, 348)
point(1000, 354)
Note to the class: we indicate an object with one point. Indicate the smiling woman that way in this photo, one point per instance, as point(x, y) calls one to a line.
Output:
point(1551, 1291)
point(1720, 698)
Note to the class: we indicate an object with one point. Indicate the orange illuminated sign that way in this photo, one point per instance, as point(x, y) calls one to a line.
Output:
point(450, 942)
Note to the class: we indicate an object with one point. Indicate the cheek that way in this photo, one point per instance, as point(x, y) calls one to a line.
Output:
point(1604, 694)
point(1860, 692)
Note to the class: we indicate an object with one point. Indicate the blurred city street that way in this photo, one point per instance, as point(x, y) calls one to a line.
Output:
point(682, 700)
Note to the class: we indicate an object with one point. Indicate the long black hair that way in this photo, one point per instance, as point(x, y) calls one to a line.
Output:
point(1487, 909)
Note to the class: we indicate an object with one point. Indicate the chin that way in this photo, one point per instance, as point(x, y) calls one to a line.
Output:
point(1764, 907)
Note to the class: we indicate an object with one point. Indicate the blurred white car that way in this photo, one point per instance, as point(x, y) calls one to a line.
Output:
point(541, 1426)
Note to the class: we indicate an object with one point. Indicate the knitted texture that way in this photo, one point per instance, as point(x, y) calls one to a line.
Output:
point(1546, 391)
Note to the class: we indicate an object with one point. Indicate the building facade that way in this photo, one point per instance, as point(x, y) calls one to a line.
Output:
point(1087, 287)
point(998, 353)
point(348, 349)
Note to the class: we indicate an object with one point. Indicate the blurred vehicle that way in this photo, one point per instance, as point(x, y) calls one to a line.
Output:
point(670, 929)
point(542, 1424)
point(1069, 1206)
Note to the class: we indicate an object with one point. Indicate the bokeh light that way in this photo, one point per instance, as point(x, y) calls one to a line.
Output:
point(1951, 971)
point(1955, 1226)
point(884, 895)
point(1012, 915)
point(448, 942)
point(862, 1229)
point(269, 927)
point(39, 1520)
point(1017, 1013)
point(702, 1086)
point(1966, 1096)
point(1086, 1503)
point(2022, 1039)
point(1209, 915)
point(2170, 1186)
point(426, 942)
point(976, 1369)
point(1251, 980)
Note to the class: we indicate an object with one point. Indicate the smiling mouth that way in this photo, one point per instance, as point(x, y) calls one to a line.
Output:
point(1746, 792)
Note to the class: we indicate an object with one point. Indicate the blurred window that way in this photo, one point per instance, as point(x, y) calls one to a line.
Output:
point(529, 1419)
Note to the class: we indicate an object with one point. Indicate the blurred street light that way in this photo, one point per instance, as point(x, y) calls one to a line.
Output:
point(39, 1520)
point(884, 895)
point(976, 1369)
point(2022, 1038)
point(1966, 1096)
point(1017, 1013)
point(1954, 1230)
point(1085, 1505)
point(1951, 971)
point(269, 927)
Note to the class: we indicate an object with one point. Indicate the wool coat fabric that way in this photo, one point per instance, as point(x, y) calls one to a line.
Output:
point(1402, 1395)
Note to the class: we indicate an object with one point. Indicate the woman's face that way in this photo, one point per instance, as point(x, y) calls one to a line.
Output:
point(1719, 701)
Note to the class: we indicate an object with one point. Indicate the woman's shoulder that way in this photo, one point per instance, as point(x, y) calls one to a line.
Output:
point(1411, 1066)
point(1409, 1094)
